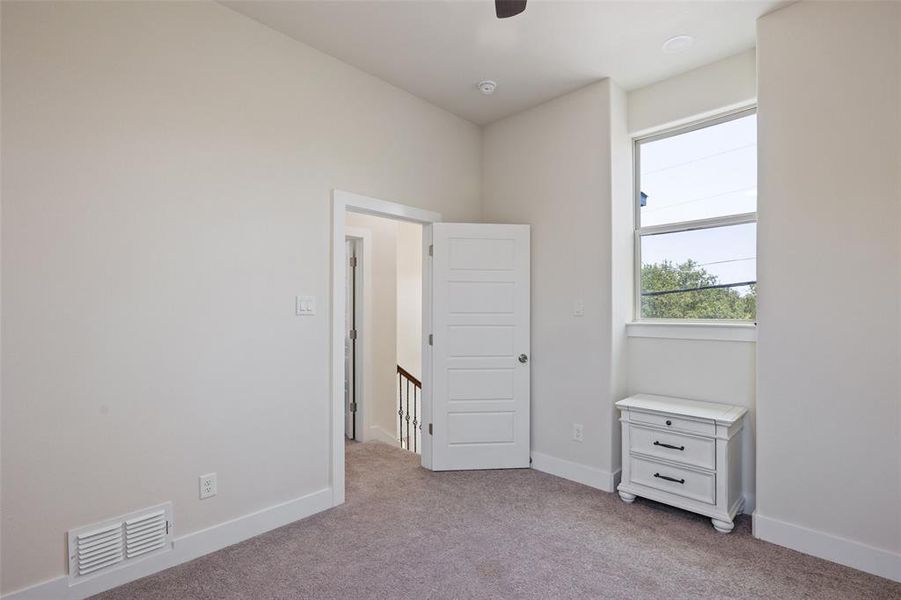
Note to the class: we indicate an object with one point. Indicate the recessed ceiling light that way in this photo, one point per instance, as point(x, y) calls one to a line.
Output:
point(677, 44)
point(487, 87)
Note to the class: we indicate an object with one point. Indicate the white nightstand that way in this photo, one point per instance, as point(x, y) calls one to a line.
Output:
point(684, 453)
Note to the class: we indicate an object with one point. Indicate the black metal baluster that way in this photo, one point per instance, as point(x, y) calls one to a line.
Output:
point(408, 414)
point(405, 415)
point(418, 395)
point(415, 429)
point(400, 408)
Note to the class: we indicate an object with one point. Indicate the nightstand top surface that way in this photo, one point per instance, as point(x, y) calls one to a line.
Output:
point(721, 413)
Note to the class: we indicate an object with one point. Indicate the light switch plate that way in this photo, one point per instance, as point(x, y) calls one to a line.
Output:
point(304, 305)
point(578, 308)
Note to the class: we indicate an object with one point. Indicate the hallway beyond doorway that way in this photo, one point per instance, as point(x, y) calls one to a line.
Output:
point(383, 331)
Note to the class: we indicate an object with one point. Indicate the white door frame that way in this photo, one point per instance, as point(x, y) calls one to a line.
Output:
point(343, 202)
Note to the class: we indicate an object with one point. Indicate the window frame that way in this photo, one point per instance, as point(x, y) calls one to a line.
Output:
point(682, 226)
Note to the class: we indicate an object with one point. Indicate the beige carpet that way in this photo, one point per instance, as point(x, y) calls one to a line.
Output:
point(409, 533)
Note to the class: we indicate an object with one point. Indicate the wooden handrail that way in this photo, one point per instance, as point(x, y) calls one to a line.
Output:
point(414, 426)
point(408, 375)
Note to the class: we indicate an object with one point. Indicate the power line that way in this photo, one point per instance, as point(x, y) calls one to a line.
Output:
point(731, 260)
point(684, 202)
point(694, 160)
point(698, 289)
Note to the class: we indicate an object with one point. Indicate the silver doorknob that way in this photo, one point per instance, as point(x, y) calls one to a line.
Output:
point(523, 358)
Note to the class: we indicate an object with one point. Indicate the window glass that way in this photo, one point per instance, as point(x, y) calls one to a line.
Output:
point(697, 226)
point(700, 274)
point(705, 173)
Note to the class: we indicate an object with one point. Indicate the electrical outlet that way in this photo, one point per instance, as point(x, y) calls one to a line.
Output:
point(207, 486)
point(577, 432)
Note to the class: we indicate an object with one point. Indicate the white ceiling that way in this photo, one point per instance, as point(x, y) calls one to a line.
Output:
point(439, 50)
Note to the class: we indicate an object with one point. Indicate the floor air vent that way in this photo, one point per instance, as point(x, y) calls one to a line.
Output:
point(98, 549)
point(145, 533)
point(102, 547)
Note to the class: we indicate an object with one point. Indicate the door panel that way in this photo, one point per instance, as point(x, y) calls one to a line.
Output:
point(480, 427)
point(480, 297)
point(479, 384)
point(480, 303)
point(469, 342)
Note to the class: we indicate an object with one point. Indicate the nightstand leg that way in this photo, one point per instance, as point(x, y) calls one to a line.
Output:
point(627, 497)
point(722, 526)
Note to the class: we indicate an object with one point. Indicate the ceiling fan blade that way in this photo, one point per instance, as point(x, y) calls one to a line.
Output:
point(509, 8)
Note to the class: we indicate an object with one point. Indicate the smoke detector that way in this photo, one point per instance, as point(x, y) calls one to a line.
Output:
point(678, 44)
point(487, 87)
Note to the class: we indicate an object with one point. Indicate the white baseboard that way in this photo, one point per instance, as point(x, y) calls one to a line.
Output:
point(750, 504)
point(824, 545)
point(617, 478)
point(590, 476)
point(379, 434)
point(184, 548)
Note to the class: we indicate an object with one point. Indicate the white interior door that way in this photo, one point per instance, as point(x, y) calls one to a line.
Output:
point(480, 346)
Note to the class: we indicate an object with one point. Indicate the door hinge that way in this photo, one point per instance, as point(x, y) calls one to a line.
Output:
point(353, 407)
point(431, 250)
point(353, 261)
point(353, 334)
point(430, 429)
point(431, 340)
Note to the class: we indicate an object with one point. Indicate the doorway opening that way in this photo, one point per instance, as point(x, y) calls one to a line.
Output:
point(383, 331)
point(353, 368)
point(471, 407)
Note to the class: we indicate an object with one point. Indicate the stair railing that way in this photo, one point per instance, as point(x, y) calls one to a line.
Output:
point(409, 392)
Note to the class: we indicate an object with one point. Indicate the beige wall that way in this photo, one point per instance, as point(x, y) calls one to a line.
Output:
point(712, 370)
point(550, 166)
point(829, 258)
point(541, 167)
point(378, 334)
point(391, 335)
point(409, 297)
point(707, 90)
point(167, 171)
point(622, 256)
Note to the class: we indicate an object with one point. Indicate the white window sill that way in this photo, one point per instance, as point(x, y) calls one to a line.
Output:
point(674, 330)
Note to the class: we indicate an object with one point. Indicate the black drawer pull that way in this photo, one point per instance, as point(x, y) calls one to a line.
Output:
point(668, 422)
point(682, 481)
point(669, 446)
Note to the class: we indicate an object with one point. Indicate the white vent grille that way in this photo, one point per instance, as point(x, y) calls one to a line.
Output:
point(98, 548)
point(145, 534)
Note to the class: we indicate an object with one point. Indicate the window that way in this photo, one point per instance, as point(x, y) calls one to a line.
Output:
point(696, 221)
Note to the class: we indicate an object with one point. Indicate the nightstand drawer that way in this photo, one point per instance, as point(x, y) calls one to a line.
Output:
point(691, 450)
point(675, 480)
point(674, 423)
